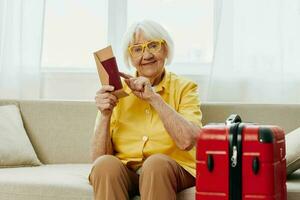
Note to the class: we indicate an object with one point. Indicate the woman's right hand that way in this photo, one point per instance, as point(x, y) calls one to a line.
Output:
point(105, 101)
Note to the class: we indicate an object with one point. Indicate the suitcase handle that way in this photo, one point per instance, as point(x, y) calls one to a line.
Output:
point(210, 162)
point(233, 118)
point(255, 165)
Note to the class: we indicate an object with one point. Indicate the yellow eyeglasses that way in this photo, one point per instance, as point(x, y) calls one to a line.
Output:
point(152, 46)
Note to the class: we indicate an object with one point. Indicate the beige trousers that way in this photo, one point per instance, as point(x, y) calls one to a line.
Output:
point(160, 178)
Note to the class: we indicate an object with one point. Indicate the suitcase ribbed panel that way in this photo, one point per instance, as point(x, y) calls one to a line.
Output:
point(263, 163)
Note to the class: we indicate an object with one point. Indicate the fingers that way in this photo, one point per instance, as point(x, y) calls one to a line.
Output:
point(109, 96)
point(140, 83)
point(126, 76)
point(137, 84)
point(127, 81)
point(138, 94)
point(105, 88)
point(104, 99)
point(109, 101)
point(105, 106)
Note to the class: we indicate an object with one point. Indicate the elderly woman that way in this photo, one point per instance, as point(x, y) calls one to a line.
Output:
point(144, 143)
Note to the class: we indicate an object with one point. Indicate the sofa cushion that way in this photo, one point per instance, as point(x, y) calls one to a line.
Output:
point(59, 182)
point(293, 151)
point(54, 181)
point(15, 146)
point(293, 186)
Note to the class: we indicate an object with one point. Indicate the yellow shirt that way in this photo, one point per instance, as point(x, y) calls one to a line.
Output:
point(137, 131)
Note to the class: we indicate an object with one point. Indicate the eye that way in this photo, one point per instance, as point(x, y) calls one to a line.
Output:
point(153, 45)
point(137, 49)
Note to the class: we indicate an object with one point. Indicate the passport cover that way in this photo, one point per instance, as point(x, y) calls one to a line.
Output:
point(108, 70)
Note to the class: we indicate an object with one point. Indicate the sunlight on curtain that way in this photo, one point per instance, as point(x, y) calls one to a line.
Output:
point(21, 25)
point(257, 52)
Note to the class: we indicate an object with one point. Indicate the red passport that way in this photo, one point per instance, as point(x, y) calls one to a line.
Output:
point(108, 70)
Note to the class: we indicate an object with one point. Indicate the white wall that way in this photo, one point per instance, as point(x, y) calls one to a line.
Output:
point(83, 85)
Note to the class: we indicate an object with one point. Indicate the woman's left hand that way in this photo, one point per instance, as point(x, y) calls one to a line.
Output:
point(141, 87)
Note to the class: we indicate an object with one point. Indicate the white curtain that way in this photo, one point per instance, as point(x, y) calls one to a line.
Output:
point(257, 52)
point(21, 25)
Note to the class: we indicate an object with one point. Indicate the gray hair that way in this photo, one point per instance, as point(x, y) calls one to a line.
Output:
point(152, 30)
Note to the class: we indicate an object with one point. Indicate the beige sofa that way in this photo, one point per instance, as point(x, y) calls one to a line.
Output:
point(60, 132)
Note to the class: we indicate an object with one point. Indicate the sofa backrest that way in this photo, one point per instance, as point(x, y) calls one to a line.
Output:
point(61, 131)
point(286, 116)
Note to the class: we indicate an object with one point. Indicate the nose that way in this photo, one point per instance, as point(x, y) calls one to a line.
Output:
point(147, 55)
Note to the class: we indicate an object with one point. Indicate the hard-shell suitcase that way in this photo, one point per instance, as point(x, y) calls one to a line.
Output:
point(240, 161)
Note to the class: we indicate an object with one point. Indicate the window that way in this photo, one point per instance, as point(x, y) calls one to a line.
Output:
point(190, 24)
point(74, 29)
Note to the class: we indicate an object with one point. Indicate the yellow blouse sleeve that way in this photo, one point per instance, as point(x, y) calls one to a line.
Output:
point(189, 106)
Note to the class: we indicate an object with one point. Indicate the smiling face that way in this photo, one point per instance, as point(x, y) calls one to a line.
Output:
point(150, 65)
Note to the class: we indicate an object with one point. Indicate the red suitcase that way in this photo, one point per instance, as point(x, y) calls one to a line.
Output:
point(240, 161)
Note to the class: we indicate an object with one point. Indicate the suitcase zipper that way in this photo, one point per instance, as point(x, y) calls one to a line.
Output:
point(234, 157)
point(235, 161)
